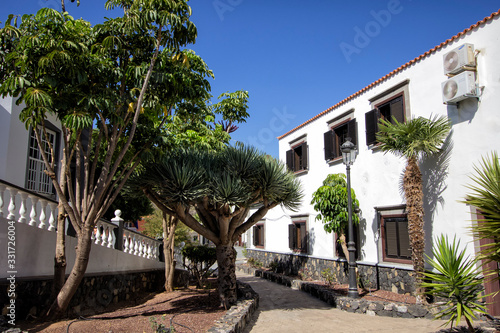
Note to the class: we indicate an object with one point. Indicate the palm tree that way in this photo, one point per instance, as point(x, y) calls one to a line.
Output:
point(411, 140)
point(485, 197)
point(221, 188)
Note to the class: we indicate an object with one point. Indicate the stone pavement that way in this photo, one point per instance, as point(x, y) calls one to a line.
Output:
point(282, 309)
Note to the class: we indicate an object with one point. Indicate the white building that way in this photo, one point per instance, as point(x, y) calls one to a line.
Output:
point(415, 89)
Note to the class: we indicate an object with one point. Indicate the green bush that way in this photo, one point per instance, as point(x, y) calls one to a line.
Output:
point(328, 275)
point(457, 280)
point(200, 258)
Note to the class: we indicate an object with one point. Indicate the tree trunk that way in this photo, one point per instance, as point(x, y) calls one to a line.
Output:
point(343, 244)
point(226, 263)
point(60, 256)
point(61, 303)
point(169, 225)
point(412, 184)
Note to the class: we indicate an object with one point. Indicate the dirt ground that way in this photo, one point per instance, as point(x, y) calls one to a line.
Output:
point(187, 310)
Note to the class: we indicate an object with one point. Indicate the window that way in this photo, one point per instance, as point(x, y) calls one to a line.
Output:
point(387, 110)
point(258, 235)
point(395, 238)
point(37, 180)
point(297, 235)
point(337, 136)
point(296, 158)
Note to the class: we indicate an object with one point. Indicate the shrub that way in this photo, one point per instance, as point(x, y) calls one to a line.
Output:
point(328, 275)
point(201, 258)
point(458, 281)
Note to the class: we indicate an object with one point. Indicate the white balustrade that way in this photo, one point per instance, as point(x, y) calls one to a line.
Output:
point(12, 205)
point(43, 217)
point(33, 214)
point(2, 191)
point(21, 202)
point(22, 210)
point(52, 222)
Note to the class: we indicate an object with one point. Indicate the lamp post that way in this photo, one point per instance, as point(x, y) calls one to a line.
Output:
point(349, 153)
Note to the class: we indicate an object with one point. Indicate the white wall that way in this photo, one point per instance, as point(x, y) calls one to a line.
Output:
point(14, 140)
point(375, 176)
point(35, 250)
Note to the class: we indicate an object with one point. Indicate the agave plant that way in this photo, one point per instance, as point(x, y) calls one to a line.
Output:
point(458, 281)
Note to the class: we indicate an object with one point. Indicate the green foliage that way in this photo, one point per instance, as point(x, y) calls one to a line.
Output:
point(331, 201)
point(255, 263)
point(201, 258)
point(154, 228)
point(485, 197)
point(328, 275)
point(159, 327)
point(413, 137)
point(273, 265)
point(457, 280)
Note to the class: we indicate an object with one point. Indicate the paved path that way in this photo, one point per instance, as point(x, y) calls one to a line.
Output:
point(282, 309)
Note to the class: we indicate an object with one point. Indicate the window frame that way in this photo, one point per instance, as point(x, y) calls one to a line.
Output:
point(40, 175)
point(258, 235)
point(383, 216)
point(372, 117)
point(298, 224)
point(295, 163)
point(331, 138)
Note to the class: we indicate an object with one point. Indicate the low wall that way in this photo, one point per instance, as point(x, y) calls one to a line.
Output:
point(94, 294)
point(374, 276)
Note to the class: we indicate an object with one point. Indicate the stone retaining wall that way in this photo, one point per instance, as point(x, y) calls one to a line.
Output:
point(394, 279)
point(239, 315)
point(94, 294)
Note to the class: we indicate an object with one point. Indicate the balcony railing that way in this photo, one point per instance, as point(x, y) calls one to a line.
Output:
point(25, 206)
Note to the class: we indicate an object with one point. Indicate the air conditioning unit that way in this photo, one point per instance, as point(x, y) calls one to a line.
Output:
point(459, 59)
point(459, 87)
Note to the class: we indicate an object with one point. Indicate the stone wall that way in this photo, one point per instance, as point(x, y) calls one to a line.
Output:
point(95, 293)
point(393, 279)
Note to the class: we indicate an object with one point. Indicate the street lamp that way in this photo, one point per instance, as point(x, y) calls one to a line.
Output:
point(349, 153)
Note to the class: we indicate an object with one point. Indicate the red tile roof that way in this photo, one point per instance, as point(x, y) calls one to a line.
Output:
point(394, 72)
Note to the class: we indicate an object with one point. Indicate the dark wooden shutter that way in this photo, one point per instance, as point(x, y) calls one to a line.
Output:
point(329, 145)
point(303, 237)
point(397, 110)
point(289, 160)
point(371, 121)
point(261, 235)
point(351, 131)
point(391, 237)
point(292, 236)
point(304, 156)
point(255, 235)
point(404, 239)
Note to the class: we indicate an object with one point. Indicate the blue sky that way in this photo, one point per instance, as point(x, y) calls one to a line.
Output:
point(298, 58)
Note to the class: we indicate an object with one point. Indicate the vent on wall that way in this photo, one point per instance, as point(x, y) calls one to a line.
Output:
point(459, 59)
point(459, 87)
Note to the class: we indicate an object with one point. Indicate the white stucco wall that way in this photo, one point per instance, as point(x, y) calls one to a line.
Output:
point(375, 176)
point(35, 250)
point(14, 139)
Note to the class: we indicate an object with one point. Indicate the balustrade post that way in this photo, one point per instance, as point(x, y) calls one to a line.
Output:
point(136, 246)
point(111, 237)
point(12, 204)
point(33, 214)
point(22, 210)
point(43, 217)
point(119, 232)
point(97, 235)
point(52, 220)
point(2, 191)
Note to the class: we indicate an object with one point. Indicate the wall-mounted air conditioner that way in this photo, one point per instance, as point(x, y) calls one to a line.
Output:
point(459, 59)
point(459, 87)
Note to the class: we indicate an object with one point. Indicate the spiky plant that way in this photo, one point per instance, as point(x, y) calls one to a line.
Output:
point(411, 140)
point(485, 197)
point(457, 280)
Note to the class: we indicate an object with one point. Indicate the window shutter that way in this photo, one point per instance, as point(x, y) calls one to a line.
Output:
point(292, 236)
point(261, 235)
point(255, 235)
point(289, 160)
point(371, 121)
point(304, 156)
point(391, 238)
point(329, 145)
point(404, 239)
point(303, 235)
point(397, 110)
point(351, 131)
